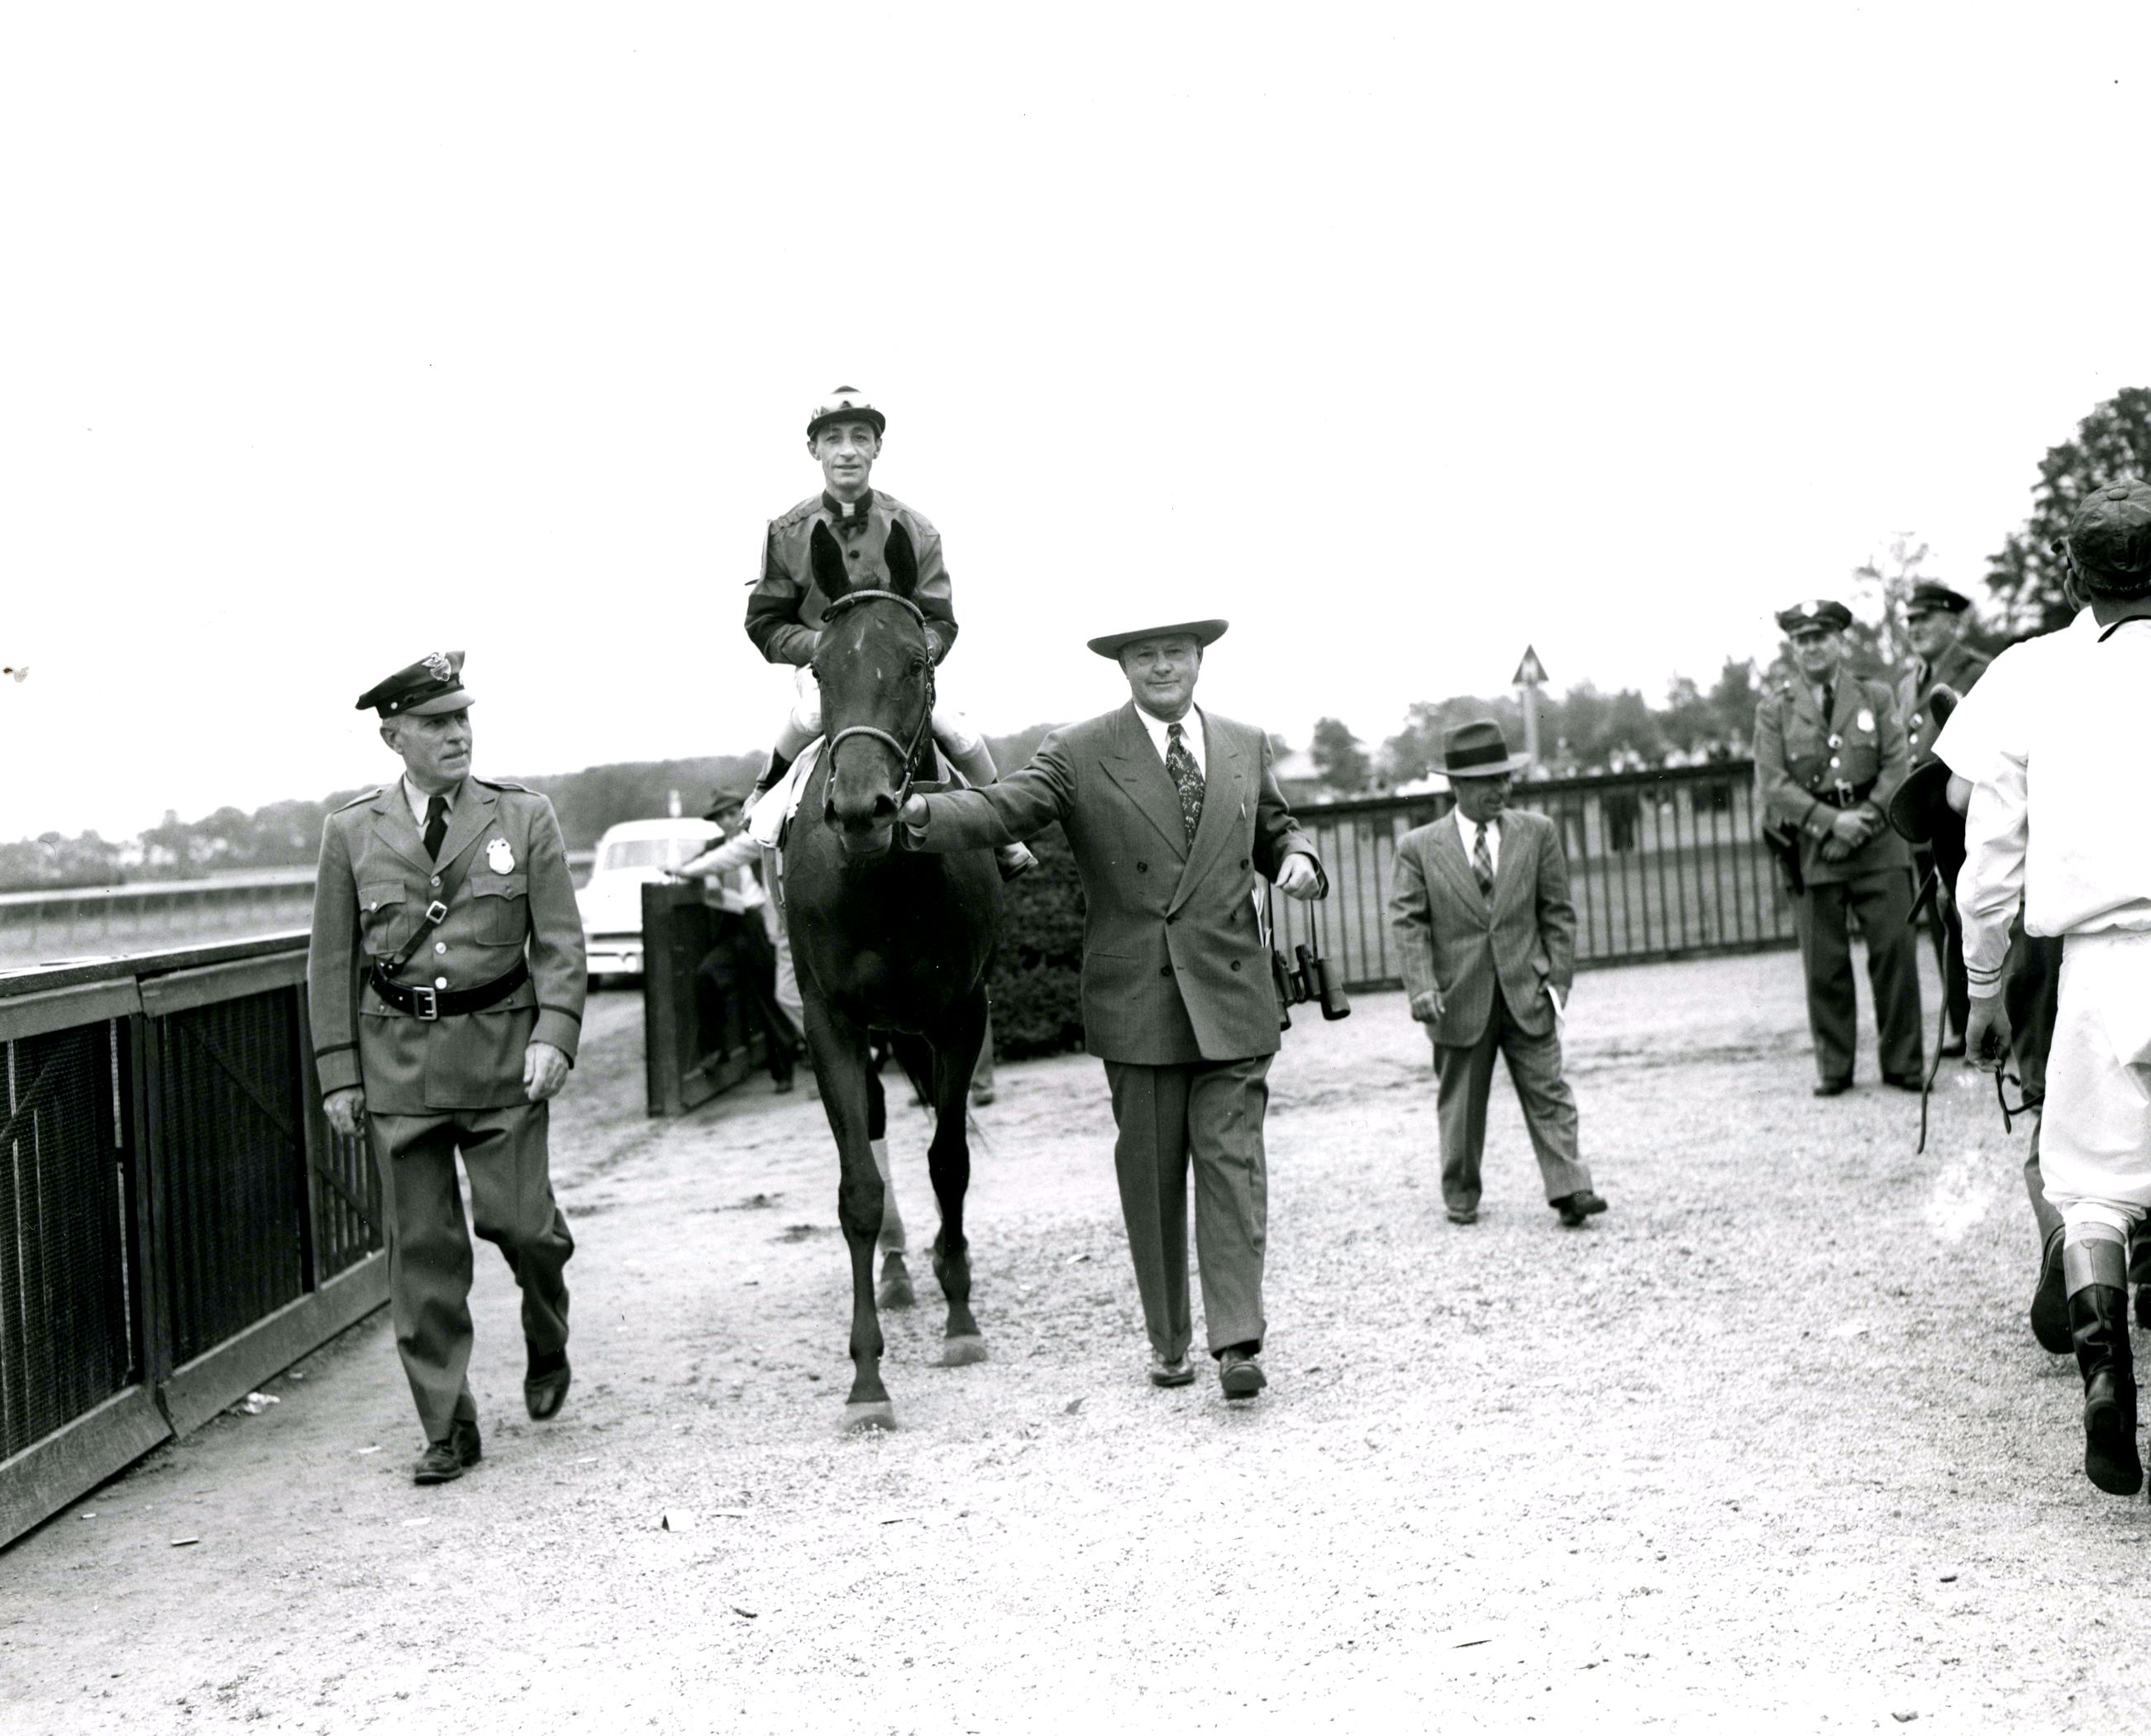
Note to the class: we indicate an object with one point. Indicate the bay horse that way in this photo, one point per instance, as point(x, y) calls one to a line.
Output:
point(885, 939)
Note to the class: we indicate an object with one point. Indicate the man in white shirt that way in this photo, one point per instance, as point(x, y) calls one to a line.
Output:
point(1486, 943)
point(2042, 739)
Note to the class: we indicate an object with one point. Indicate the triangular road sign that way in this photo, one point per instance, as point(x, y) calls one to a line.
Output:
point(1530, 672)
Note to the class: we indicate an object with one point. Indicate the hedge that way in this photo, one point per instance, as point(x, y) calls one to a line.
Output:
point(1036, 977)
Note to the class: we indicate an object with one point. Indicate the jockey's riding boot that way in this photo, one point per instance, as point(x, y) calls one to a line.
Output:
point(2099, 1322)
point(976, 765)
point(778, 765)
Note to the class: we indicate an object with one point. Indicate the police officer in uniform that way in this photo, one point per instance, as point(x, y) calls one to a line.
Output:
point(1943, 668)
point(1830, 752)
point(445, 980)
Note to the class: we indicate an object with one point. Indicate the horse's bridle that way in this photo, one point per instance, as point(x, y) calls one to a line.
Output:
point(906, 757)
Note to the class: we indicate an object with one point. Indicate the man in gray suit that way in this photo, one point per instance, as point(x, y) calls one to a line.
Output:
point(1487, 939)
point(1171, 812)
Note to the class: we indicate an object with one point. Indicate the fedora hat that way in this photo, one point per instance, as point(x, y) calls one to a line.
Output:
point(1478, 749)
point(1110, 645)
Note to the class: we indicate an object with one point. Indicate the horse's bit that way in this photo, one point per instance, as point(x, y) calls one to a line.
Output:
point(906, 757)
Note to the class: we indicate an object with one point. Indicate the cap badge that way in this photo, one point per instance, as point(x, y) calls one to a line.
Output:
point(436, 666)
point(499, 857)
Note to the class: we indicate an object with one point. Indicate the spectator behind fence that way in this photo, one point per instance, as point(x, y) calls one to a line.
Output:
point(739, 969)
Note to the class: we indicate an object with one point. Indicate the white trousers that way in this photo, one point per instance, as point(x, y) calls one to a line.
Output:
point(2095, 1134)
point(950, 728)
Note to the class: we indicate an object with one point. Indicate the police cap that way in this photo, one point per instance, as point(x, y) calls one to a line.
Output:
point(2110, 536)
point(847, 403)
point(1820, 615)
point(1928, 596)
point(426, 689)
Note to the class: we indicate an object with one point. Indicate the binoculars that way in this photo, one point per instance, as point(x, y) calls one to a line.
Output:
point(1308, 978)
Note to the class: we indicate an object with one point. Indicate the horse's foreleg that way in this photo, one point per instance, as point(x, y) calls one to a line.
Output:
point(949, 1161)
point(896, 1291)
point(840, 1065)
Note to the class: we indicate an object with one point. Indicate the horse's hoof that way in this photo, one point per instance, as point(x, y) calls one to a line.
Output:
point(896, 1291)
point(871, 1417)
point(962, 1352)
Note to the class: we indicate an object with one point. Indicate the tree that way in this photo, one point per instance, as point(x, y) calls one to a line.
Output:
point(2111, 444)
point(1884, 595)
point(1339, 757)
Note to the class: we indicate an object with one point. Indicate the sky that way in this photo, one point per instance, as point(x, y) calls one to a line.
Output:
point(1401, 336)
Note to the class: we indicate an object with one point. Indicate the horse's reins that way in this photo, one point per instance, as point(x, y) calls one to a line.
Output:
point(906, 757)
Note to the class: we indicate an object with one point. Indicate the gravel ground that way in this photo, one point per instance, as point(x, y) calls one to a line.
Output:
point(1768, 1445)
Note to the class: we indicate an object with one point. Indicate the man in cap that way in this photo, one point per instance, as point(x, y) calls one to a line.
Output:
point(1171, 812)
point(1941, 672)
point(2043, 741)
point(1486, 942)
point(784, 613)
point(445, 981)
point(1829, 753)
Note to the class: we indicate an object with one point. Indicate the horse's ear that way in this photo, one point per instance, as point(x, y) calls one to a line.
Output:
point(827, 560)
point(902, 560)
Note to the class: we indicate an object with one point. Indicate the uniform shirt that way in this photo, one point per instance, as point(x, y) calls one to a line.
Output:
point(418, 798)
point(1469, 830)
point(1958, 668)
point(785, 611)
point(1193, 729)
point(2052, 725)
point(1800, 754)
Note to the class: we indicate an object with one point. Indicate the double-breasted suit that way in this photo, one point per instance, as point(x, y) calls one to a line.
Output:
point(436, 1086)
point(1492, 959)
point(1178, 996)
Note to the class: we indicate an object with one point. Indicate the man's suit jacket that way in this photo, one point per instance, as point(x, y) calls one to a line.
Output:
point(1174, 969)
point(1452, 940)
point(370, 896)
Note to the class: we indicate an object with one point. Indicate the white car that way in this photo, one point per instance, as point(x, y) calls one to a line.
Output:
point(629, 856)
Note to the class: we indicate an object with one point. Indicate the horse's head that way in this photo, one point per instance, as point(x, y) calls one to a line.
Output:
point(876, 672)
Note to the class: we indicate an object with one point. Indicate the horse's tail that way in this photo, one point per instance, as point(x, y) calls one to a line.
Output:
point(916, 1055)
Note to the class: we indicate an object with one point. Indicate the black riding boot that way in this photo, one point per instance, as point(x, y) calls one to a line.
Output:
point(2099, 1322)
point(778, 767)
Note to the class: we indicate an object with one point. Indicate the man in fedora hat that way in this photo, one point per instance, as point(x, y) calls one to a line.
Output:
point(444, 982)
point(1829, 753)
point(1170, 812)
point(784, 612)
point(1941, 672)
point(2046, 743)
point(1486, 937)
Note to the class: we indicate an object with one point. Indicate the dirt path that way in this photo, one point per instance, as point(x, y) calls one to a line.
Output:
point(1769, 1442)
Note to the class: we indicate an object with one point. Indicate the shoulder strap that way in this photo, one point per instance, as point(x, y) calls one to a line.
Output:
point(436, 913)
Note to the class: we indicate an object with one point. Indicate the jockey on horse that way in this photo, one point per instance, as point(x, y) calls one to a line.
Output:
point(785, 612)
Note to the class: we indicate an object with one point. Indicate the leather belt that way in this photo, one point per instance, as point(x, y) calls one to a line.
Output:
point(1845, 795)
point(428, 1002)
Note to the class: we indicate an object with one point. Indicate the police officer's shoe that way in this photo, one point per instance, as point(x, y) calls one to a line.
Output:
point(2098, 1323)
point(1833, 1088)
point(1575, 1208)
point(1178, 1372)
point(545, 1385)
point(445, 1461)
point(2050, 1301)
point(1013, 859)
point(1904, 1082)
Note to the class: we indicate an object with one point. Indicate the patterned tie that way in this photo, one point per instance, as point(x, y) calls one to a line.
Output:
point(1482, 863)
point(437, 824)
point(1185, 776)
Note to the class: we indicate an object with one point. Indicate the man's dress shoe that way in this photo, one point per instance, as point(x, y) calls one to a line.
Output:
point(1179, 1372)
point(1240, 1373)
point(1833, 1088)
point(1575, 1208)
point(545, 1386)
point(445, 1461)
point(1904, 1082)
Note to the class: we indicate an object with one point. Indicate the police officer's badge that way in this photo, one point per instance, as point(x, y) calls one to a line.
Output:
point(437, 666)
point(1865, 720)
point(498, 857)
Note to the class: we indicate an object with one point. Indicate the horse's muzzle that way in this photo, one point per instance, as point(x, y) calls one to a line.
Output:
point(867, 834)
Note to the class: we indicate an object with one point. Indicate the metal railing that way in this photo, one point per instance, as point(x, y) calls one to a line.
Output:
point(1662, 864)
point(177, 1221)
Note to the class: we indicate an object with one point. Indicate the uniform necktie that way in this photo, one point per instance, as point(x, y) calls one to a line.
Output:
point(437, 824)
point(1829, 701)
point(1482, 862)
point(1186, 777)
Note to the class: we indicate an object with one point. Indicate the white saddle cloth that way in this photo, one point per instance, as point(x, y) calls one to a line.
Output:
point(771, 814)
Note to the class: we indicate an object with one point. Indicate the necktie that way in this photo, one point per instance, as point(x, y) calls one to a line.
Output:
point(437, 824)
point(1829, 697)
point(1482, 862)
point(1186, 777)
